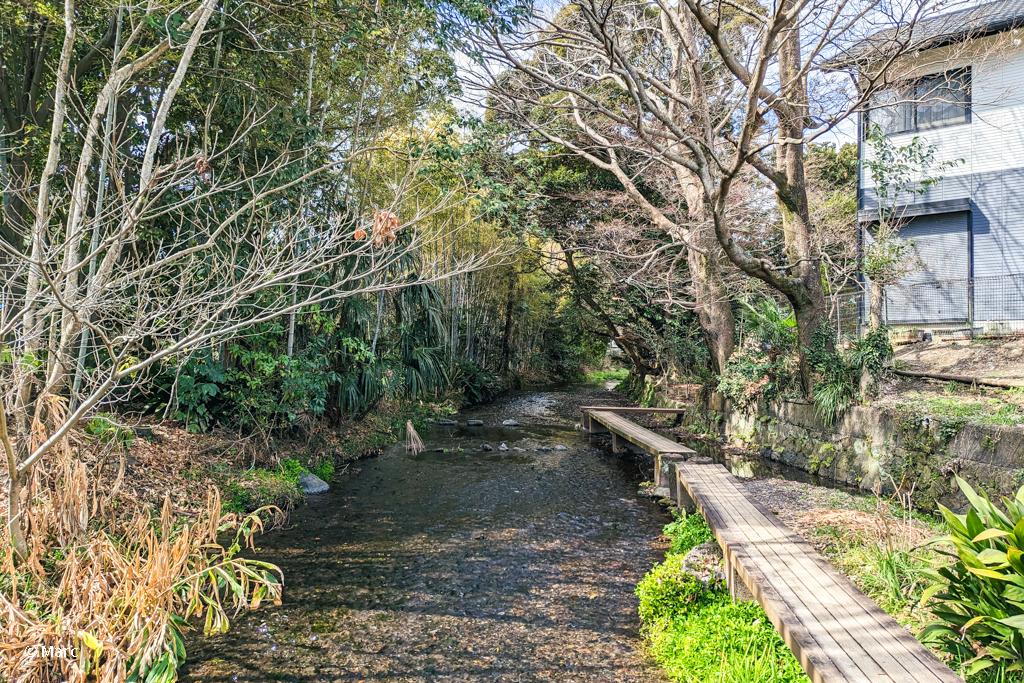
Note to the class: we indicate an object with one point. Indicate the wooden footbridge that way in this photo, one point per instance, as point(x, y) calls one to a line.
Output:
point(837, 633)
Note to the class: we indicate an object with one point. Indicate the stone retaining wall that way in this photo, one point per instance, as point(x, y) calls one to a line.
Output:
point(874, 447)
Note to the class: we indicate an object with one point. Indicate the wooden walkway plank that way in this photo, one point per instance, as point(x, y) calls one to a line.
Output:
point(837, 632)
point(765, 568)
point(850, 598)
point(786, 554)
point(656, 444)
point(863, 625)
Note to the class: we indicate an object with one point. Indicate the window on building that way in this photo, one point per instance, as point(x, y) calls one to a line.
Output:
point(930, 102)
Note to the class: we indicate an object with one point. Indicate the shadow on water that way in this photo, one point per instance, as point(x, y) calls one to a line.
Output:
point(746, 466)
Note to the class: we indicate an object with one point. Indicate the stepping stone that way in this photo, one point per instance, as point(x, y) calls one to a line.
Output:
point(509, 423)
point(561, 448)
point(310, 483)
point(474, 423)
point(488, 447)
point(447, 423)
point(502, 447)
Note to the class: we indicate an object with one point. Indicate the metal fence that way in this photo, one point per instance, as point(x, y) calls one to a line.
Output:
point(964, 307)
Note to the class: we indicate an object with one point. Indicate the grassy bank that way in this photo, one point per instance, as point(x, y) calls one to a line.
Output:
point(698, 635)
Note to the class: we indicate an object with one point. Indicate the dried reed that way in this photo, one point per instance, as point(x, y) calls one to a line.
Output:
point(413, 442)
point(121, 594)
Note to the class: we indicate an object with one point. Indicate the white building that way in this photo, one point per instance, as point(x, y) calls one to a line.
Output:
point(961, 89)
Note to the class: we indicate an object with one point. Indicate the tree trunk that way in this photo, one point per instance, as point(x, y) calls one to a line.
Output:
point(14, 522)
point(876, 308)
point(876, 319)
point(713, 309)
point(808, 297)
point(506, 339)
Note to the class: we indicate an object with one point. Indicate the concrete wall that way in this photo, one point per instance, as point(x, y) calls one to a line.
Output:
point(871, 447)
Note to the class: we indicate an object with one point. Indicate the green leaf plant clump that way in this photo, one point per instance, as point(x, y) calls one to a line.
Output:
point(979, 596)
point(696, 633)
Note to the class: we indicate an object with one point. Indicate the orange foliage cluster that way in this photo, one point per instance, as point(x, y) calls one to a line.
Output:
point(385, 227)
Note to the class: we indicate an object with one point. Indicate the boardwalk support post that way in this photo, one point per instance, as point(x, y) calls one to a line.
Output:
point(683, 499)
point(665, 471)
point(737, 589)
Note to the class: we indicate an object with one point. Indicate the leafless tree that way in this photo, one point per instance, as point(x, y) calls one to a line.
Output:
point(710, 91)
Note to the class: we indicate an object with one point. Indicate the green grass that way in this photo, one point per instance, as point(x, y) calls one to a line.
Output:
point(700, 636)
point(258, 488)
point(723, 642)
point(619, 374)
point(686, 532)
point(981, 410)
point(960, 404)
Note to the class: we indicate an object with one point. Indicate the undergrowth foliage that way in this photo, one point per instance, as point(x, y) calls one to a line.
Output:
point(123, 595)
point(765, 365)
point(696, 633)
point(979, 597)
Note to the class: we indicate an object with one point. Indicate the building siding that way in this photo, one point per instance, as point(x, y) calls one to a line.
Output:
point(989, 152)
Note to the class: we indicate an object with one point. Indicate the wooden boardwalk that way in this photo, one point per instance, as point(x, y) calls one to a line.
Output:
point(836, 632)
point(621, 428)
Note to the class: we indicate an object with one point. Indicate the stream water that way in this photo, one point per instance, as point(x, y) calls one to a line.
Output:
point(460, 565)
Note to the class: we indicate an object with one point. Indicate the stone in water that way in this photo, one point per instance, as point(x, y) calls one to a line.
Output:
point(509, 423)
point(311, 483)
point(475, 423)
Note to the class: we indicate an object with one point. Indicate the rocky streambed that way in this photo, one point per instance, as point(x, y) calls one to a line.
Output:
point(460, 565)
point(507, 551)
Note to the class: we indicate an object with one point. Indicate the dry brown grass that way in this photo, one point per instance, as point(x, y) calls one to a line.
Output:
point(869, 525)
point(118, 582)
point(413, 442)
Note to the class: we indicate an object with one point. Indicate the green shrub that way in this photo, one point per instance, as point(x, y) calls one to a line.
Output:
point(686, 532)
point(323, 469)
point(260, 488)
point(199, 382)
point(699, 635)
point(619, 374)
point(765, 365)
point(477, 384)
point(292, 469)
point(718, 641)
point(979, 597)
point(668, 592)
point(109, 431)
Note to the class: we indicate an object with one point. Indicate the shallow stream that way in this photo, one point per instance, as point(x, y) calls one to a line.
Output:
point(460, 565)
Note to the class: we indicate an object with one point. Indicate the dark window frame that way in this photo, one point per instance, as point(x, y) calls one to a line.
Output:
point(909, 106)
